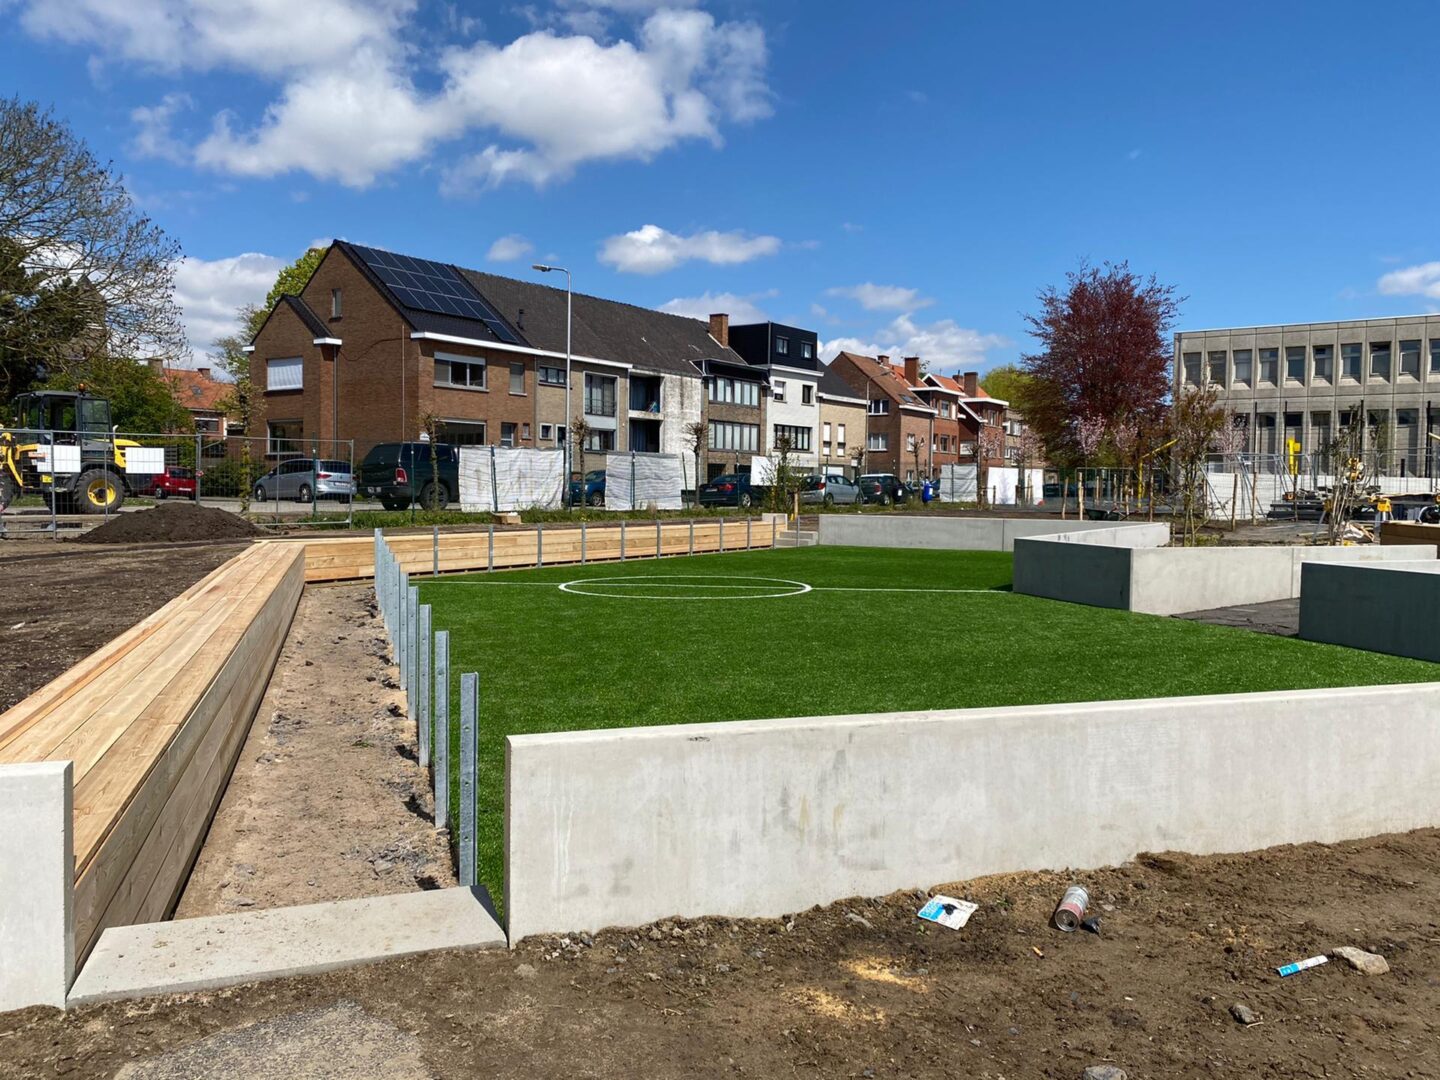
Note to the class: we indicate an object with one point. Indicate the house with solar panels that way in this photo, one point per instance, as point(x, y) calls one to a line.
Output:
point(377, 340)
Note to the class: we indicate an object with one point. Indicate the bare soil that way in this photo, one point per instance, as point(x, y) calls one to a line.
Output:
point(171, 522)
point(864, 989)
point(60, 602)
point(326, 801)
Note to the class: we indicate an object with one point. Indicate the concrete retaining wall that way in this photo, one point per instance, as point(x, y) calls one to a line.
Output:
point(1388, 607)
point(949, 533)
point(762, 818)
point(37, 878)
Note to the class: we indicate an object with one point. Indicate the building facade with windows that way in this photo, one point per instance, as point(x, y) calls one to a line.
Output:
point(898, 422)
point(735, 418)
point(842, 425)
point(787, 356)
point(1303, 383)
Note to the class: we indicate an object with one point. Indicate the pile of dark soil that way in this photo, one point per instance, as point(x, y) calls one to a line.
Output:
point(170, 523)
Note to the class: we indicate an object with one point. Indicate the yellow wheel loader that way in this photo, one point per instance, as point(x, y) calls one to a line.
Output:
point(46, 420)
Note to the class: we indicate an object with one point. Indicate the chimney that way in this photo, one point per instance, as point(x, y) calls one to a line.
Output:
point(156, 365)
point(203, 372)
point(883, 360)
point(720, 328)
point(520, 320)
point(912, 370)
point(971, 379)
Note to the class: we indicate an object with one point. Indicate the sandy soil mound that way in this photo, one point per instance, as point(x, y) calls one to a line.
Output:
point(170, 522)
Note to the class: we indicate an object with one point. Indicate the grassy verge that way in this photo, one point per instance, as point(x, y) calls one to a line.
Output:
point(557, 661)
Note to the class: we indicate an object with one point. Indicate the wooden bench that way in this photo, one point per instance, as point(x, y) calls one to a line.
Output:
point(153, 722)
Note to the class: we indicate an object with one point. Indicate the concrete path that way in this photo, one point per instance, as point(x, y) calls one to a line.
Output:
point(202, 954)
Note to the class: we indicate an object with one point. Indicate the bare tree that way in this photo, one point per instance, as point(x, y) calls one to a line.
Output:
point(698, 432)
point(1196, 419)
point(1089, 434)
point(69, 222)
point(580, 432)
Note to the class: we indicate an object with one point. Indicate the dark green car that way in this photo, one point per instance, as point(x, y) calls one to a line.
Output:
point(401, 473)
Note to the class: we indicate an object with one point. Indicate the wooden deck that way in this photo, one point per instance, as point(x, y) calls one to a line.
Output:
point(352, 558)
point(153, 722)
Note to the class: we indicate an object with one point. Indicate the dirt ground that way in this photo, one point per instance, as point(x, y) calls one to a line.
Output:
point(59, 602)
point(864, 989)
point(326, 801)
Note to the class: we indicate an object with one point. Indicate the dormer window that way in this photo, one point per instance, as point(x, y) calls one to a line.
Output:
point(782, 346)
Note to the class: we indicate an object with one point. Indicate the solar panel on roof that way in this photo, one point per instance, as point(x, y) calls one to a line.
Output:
point(432, 286)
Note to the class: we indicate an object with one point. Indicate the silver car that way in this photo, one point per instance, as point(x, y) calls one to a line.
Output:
point(829, 489)
point(306, 479)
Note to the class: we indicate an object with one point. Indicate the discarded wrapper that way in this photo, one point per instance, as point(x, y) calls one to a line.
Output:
point(1071, 909)
point(1302, 965)
point(947, 911)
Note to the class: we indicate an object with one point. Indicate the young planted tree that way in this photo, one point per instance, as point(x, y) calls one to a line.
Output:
point(1196, 420)
point(698, 432)
point(1229, 443)
point(1089, 434)
point(579, 433)
point(785, 482)
point(989, 444)
point(1104, 356)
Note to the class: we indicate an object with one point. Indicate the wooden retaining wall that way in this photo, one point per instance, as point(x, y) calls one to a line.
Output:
point(352, 558)
point(153, 722)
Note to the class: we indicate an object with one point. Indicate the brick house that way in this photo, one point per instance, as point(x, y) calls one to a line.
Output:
point(898, 422)
point(842, 424)
point(974, 411)
point(201, 395)
point(376, 341)
point(735, 406)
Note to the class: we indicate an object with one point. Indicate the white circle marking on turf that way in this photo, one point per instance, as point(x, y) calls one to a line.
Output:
point(749, 588)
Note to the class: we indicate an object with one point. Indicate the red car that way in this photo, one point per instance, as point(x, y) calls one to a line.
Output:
point(173, 481)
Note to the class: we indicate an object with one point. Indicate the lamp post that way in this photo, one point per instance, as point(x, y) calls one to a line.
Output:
point(569, 492)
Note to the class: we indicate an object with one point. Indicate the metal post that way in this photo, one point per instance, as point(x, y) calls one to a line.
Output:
point(490, 555)
point(198, 470)
point(424, 685)
point(622, 539)
point(692, 537)
point(402, 638)
point(748, 522)
point(582, 543)
point(412, 626)
point(469, 767)
point(442, 729)
point(540, 544)
point(773, 526)
point(722, 535)
point(657, 539)
point(435, 552)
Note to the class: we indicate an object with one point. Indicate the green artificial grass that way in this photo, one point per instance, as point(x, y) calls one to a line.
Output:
point(557, 661)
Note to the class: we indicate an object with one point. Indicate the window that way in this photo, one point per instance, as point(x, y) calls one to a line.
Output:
point(463, 432)
point(287, 374)
point(782, 346)
point(878, 440)
point(1435, 356)
point(807, 350)
point(552, 376)
point(878, 408)
point(335, 305)
point(525, 432)
point(825, 435)
point(799, 436)
point(1380, 360)
point(1192, 368)
point(1269, 366)
point(600, 395)
point(284, 436)
point(724, 435)
point(1217, 367)
point(517, 376)
point(807, 394)
point(467, 373)
point(507, 434)
point(1324, 358)
point(1410, 359)
point(777, 389)
point(734, 391)
point(1244, 367)
point(547, 432)
point(945, 410)
point(1295, 363)
point(1351, 359)
point(600, 440)
point(840, 440)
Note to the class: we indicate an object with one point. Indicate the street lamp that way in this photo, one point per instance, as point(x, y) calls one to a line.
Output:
point(544, 269)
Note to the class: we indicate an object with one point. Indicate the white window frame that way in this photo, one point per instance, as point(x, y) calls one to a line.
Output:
point(777, 390)
point(517, 368)
point(283, 364)
point(879, 440)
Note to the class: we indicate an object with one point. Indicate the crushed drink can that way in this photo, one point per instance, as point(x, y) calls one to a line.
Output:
point(1071, 909)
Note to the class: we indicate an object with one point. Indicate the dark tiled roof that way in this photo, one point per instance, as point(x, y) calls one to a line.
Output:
point(312, 322)
point(833, 385)
point(605, 329)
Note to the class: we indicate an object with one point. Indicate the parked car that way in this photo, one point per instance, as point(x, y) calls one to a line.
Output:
point(173, 481)
point(401, 473)
point(306, 480)
point(829, 489)
point(732, 489)
point(883, 488)
point(591, 490)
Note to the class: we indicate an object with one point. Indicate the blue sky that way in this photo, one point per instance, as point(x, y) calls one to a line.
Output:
point(900, 177)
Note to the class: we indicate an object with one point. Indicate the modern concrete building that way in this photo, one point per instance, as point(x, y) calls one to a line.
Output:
point(789, 358)
point(1308, 381)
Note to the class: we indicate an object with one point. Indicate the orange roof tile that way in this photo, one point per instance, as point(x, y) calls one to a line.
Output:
point(196, 390)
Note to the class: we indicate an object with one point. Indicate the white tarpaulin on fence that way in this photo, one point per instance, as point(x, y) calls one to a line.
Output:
point(495, 478)
point(638, 481)
point(1002, 485)
point(957, 483)
point(145, 460)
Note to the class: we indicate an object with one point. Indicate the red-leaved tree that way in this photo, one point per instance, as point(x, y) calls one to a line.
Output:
point(1104, 356)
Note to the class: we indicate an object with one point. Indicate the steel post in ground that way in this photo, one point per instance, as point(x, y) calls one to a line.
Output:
point(772, 532)
point(424, 684)
point(442, 729)
point(622, 540)
point(435, 552)
point(490, 550)
point(748, 523)
point(722, 534)
point(412, 633)
point(692, 537)
point(582, 543)
point(402, 639)
point(469, 768)
point(540, 544)
point(657, 539)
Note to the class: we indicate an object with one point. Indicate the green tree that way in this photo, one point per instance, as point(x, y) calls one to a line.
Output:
point(35, 313)
point(140, 398)
point(1008, 382)
point(227, 355)
point(292, 280)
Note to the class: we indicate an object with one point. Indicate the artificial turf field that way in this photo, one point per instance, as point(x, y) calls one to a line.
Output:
point(821, 631)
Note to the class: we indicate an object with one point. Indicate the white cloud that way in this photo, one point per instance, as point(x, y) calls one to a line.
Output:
point(741, 309)
point(1421, 280)
point(509, 248)
point(652, 250)
point(210, 291)
point(153, 137)
point(874, 297)
point(943, 345)
point(355, 99)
